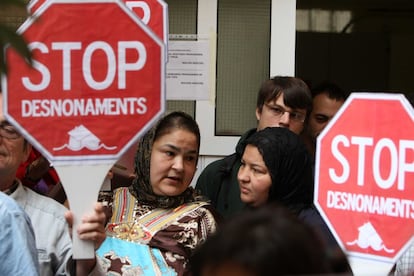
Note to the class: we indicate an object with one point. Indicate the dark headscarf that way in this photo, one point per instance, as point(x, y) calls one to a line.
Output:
point(141, 186)
point(289, 165)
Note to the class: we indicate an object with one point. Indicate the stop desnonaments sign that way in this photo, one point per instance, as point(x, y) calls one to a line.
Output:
point(364, 175)
point(97, 81)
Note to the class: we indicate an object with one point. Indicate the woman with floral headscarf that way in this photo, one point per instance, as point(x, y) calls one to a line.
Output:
point(158, 221)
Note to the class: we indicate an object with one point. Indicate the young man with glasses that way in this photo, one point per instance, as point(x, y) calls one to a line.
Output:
point(282, 101)
point(51, 221)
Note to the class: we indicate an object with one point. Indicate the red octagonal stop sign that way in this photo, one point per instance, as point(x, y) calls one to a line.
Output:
point(364, 182)
point(96, 84)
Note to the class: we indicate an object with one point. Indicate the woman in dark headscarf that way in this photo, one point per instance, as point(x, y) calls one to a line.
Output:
point(276, 164)
point(276, 167)
point(159, 220)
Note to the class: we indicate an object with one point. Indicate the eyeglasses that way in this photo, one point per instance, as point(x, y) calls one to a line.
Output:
point(278, 111)
point(8, 131)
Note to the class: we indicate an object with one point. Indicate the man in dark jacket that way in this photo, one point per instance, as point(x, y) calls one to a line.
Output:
point(282, 101)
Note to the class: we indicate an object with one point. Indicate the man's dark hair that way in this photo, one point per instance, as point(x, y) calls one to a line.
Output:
point(296, 93)
point(331, 89)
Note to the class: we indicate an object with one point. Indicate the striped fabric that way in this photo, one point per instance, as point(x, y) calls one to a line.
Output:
point(125, 225)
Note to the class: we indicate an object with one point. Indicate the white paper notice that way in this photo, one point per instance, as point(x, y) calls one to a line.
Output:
point(188, 70)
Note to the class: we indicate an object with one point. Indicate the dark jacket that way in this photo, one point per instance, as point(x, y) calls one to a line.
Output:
point(218, 181)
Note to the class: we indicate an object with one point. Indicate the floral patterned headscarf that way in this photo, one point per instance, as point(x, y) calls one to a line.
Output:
point(141, 186)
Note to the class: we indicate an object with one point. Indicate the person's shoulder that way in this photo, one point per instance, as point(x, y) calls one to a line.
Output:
point(314, 219)
point(246, 135)
point(122, 192)
point(9, 205)
point(205, 213)
point(35, 202)
point(12, 213)
point(311, 215)
point(5, 200)
point(209, 210)
point(213, 174)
